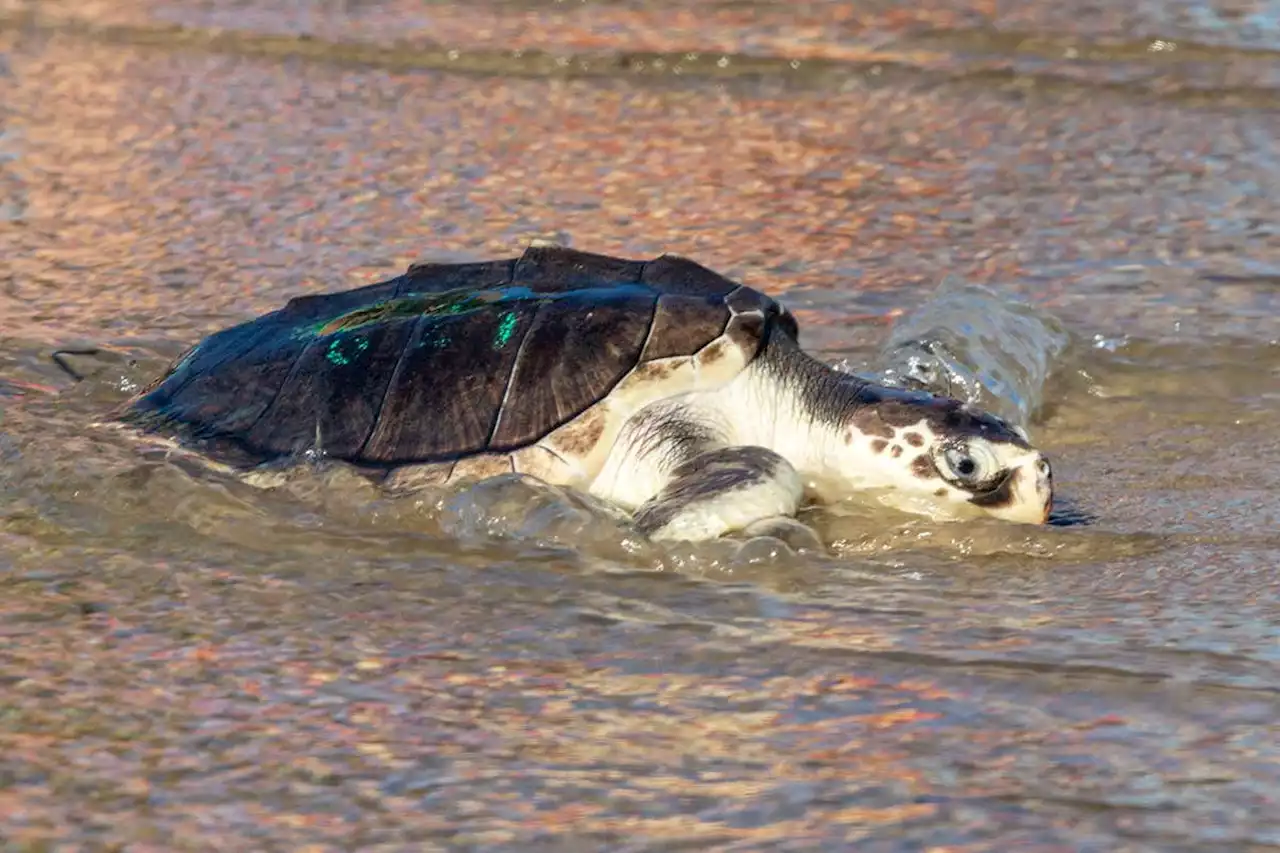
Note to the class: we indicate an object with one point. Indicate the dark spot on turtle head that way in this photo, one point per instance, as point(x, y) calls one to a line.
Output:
point(895, 451)
point(867, 421)
point(1001, 495)
point(848, 436)
point(879, 445)
point(941, 493)
point(922, 466)
point(900, 414)
point(914, 439)
point(961, 420)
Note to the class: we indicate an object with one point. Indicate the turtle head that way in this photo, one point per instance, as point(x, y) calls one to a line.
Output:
point(940, 457)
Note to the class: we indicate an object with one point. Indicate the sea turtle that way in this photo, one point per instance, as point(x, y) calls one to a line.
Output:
point(659, 386)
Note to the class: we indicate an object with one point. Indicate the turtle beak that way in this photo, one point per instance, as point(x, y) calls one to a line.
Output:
point(1044, 487)
point(1026, 494)
point(1034, 489)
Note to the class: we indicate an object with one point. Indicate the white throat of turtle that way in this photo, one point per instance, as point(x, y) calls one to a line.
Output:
point(798, 407)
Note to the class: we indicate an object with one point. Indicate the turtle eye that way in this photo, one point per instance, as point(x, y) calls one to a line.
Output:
point(971, 465)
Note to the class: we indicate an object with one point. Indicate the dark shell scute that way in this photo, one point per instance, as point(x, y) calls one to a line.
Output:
point(573, 356)
point(753, 315)
point(785, 322)
point(684, 324)
point(223, 385)
point(743, 300)
point(313, 307)
point(554, 269)
point(440, 277)
point(444, 398)
point(333, 394)
point(224, 401)
point(674, 274)
point(746, 331)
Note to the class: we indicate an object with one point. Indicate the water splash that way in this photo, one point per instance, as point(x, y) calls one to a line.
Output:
point(976, 345)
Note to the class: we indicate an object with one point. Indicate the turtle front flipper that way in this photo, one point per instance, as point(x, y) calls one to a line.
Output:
point(721, 491)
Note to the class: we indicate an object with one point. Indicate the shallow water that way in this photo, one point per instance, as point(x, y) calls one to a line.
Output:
point(187, 662)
